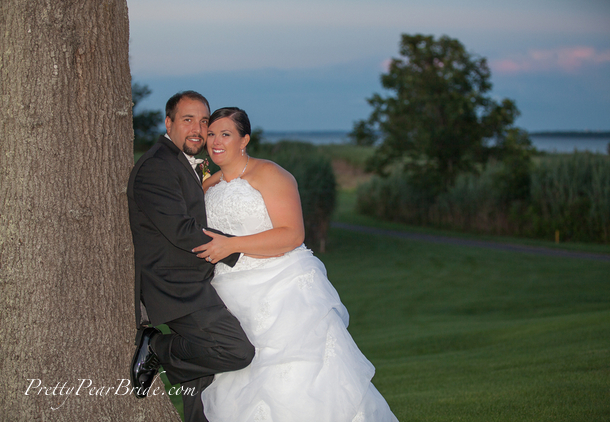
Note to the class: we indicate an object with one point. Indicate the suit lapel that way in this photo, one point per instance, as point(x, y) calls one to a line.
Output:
point(180, 156)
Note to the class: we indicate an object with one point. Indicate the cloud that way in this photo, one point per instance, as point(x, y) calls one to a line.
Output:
point(563, 59)
point(385, 65)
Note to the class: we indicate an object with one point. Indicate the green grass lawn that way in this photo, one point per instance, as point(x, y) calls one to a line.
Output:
point(467, 334)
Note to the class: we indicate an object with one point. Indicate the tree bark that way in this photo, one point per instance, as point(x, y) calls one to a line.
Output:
point(66, 257)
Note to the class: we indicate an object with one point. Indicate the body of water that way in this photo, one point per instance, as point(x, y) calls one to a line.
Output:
point(542, 143)
point(570, 144)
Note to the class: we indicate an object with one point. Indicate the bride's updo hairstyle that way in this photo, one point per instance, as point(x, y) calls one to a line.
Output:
point(237, 115)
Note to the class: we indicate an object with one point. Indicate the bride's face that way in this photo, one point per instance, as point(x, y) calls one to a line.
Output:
point(224, 142)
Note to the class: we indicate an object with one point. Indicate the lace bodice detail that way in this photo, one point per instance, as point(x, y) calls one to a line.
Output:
point(236, 208)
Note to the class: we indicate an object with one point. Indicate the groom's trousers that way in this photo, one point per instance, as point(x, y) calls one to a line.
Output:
point(202, 344)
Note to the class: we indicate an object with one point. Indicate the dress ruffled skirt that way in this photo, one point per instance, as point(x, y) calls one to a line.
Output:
point(307, 366)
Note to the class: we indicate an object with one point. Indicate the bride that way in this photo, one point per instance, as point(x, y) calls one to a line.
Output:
point(307, 367)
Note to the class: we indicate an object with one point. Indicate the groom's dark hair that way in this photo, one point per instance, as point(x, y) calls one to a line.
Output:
point(172, 103)
point(237, 115)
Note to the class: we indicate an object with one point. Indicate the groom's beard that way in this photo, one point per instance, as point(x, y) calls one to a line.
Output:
point(193, 150)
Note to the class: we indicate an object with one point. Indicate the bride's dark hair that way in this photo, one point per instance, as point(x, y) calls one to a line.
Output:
point(237, 115)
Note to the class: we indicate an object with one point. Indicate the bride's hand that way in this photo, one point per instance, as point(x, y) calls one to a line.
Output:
point(215, 250)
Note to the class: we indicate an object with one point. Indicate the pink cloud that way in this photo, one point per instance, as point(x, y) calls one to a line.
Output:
point(565, 59)
point(509, 66)
point(385, 65)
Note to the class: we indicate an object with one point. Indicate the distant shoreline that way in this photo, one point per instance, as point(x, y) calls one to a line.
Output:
point(548, 141)
point(279, 134)
point(571, 134)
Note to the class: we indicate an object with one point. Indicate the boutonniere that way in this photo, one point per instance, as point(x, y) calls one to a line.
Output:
point(205, 170)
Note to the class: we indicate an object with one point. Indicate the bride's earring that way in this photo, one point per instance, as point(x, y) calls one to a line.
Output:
point(242, 152)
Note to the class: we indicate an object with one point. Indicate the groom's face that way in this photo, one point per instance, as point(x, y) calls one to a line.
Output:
point(189, 129)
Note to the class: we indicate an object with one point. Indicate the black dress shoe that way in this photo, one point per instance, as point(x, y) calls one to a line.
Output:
point(144, 365)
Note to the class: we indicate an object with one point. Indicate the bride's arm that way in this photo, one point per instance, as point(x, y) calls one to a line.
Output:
point(280, 193)
point(210, 181)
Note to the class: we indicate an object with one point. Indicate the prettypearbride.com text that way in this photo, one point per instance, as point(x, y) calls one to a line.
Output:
point(86, 387)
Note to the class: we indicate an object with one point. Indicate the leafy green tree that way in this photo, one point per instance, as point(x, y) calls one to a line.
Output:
point(436, 120)
point(363, 134)
point(145, 123)
point(514, 149)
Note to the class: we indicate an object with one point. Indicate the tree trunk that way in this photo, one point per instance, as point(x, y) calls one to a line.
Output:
point(66, 257)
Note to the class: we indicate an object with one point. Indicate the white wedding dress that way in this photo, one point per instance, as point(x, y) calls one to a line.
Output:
point(306, 367)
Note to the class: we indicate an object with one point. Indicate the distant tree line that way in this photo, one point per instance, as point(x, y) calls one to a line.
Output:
point(572, 134)
point(146, 123)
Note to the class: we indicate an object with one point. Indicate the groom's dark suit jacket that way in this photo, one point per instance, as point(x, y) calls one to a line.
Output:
point(167, 215)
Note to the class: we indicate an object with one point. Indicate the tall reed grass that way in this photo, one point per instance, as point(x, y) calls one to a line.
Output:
point(568, 194)
point(572, 194)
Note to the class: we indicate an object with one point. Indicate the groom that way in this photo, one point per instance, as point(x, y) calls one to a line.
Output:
point(172, 286)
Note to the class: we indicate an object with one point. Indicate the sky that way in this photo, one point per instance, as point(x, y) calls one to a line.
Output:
point(310, 65)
